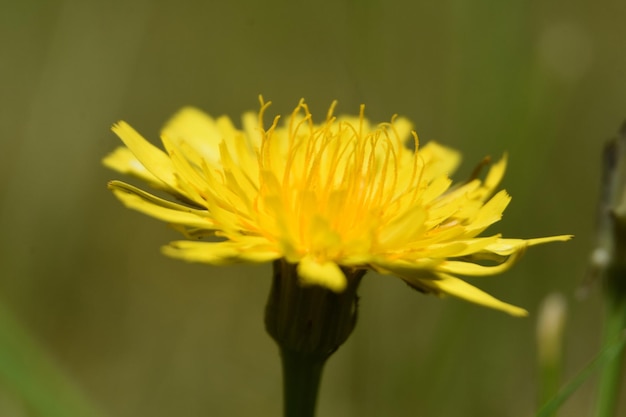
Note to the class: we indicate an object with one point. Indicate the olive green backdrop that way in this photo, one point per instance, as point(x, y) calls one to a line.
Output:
point(139, 334)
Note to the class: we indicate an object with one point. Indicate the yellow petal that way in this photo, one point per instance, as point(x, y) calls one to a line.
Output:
point(405, 228)
point(406, 269)
point(458, 248)
point(472, 269)
point(447, 284)
point(494, 176)
point(198, 129)
point(122, 160)
point(490, 213)
point(440, 160)
point(325, 274)
point(322, 235)
point(250, 123)
point(222, 253)
point(435, 189)
point(444, 284)
point(189, 177)
point(403, 127)
point(159, 208)
point(506, 247)
point(151, 157)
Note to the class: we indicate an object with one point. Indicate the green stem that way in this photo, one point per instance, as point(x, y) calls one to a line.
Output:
point(308, 323)
point(302, 374)
point(612, 263)
point(610, 379)
point(605, 356)
point(550, 382)
point(550, 326)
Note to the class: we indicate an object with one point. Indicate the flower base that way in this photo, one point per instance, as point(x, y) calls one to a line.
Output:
point(308, 323)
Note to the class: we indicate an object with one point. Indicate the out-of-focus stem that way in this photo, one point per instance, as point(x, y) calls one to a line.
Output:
point(609, 261)
point(550, 325)
point(610, 379)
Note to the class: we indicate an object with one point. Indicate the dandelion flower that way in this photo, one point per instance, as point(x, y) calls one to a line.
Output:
point(338, 195)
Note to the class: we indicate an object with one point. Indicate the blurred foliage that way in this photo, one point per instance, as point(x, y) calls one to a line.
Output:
point(143, 335)
point(32, 379)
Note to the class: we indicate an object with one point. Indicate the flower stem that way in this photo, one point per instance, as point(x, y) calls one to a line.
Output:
point(550, 326)
point(610, 260)
point(302, 374)
point(610, 379)
point(308, 323)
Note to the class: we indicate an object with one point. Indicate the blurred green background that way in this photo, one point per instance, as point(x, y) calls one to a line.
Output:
point(137, 334)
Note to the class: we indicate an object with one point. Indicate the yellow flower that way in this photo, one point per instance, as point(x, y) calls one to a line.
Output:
point(339, 194)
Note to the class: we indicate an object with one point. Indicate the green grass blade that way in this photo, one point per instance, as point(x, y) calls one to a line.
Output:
point(33, 378)
point(605, 356)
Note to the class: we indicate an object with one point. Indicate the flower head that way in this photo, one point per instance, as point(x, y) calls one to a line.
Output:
point(342, 193)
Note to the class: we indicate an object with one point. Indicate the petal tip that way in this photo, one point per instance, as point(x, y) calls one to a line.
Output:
point(517, 311)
